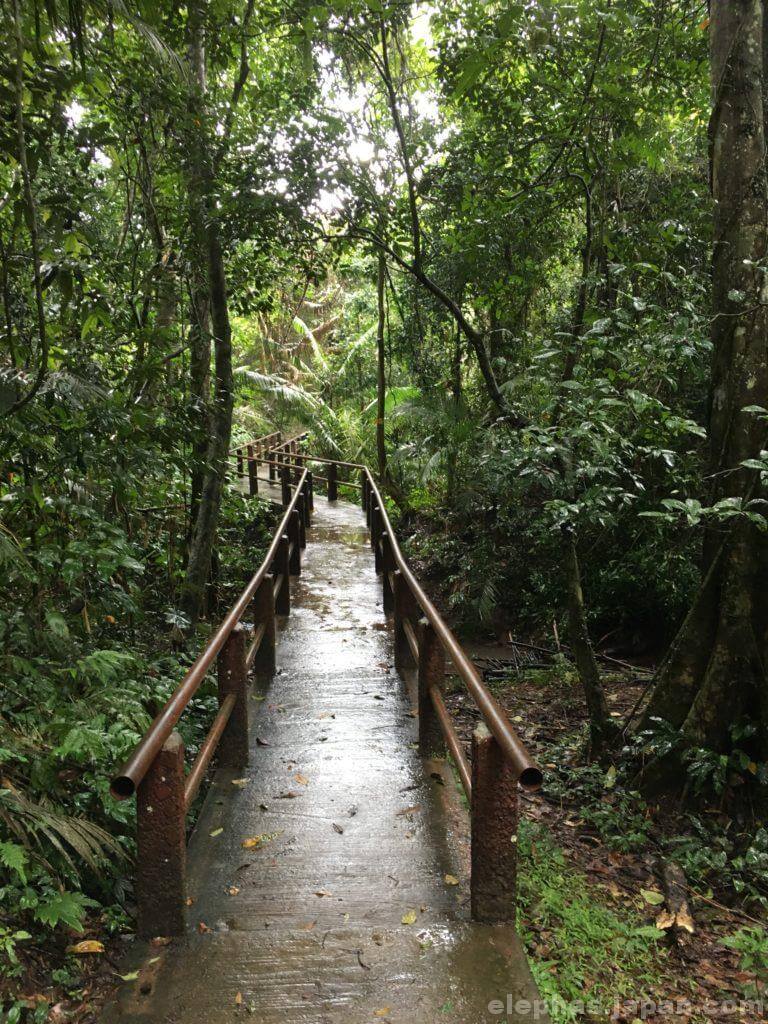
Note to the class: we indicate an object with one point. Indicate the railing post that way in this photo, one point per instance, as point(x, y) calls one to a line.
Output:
point(431, 673)
point(272, 456)
point(307, 500)
point(282, 568)
point(233, 678)
point(300, 507)
point(363, 489)
point(311, 492)
point(240, 473)
point(161, 854)
point(264, 612)
point(333, 486)
point(494, 831)
point(387, 566)
point(253, 473)
point(376, 534)
point(285, 484)
point(403, 602)
point(294, 534)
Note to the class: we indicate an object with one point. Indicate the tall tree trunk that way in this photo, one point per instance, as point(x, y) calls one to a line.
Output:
point(220, 427)
point(381, 369)
point(601, 728)
point(450, 481)
point(715, 672)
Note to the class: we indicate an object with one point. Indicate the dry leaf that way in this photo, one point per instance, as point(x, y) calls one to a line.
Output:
point(665, 920)
point(161, 940)
point(132, 976)
point(239, 782)
point(383, 1012)
point(451, 880)
point(338, 828)
point(256, 842)
point(409, 810)
point(216, 832)
point(301, 779)
point(202, 927)
point(308, 926)
point(233, 890)
point(322, 892)
point(239, 999)
point(86, 946)
point(409, 918)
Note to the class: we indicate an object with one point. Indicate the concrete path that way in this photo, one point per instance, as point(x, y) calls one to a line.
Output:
point(339, 911)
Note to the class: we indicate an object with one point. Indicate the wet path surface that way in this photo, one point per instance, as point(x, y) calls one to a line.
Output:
point(351, 834)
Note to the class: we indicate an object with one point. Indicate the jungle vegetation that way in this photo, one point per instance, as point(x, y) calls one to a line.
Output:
point(512, 254)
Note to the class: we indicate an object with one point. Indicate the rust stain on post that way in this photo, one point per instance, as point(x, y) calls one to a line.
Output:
point(494, 831)
point(232, 678)
point(431, 673)
point(161, 843)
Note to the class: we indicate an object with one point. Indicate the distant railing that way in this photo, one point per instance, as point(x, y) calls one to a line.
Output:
point(155, 769)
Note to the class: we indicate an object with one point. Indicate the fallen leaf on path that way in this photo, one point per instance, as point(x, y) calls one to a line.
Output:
point(409, 810)
point(338, 828)
point(451, 880)
point(309, 926)
point(239, 999)
point(132, 976)
point(216, 832)
point(409, 917)
point(256, 842)
point(86, 946)
point(362, 963)
point(161, 940)
point(383, 1012)
point(233, 890)
point(322, 892)
point(262, 743)
point(301, 779)
point(202, 927)
point(239, 782)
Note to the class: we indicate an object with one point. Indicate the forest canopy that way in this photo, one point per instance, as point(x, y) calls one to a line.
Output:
point(509, 254)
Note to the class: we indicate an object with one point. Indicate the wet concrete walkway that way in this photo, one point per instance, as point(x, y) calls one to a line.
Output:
point(317, 876)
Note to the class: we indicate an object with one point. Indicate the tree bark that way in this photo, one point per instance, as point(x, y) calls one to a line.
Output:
point(715, 672)
point(220, 427)
point(381, 369)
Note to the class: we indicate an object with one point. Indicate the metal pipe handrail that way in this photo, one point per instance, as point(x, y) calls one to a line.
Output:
point(208, 749)
point(125, 783)
point(254, 441)
point(452, 739)
point(528, 775)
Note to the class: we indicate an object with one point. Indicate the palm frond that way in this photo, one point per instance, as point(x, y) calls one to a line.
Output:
point(72, 837)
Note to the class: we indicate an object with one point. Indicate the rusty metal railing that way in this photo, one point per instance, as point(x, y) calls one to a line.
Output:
point(155, 769)
point(500, 762)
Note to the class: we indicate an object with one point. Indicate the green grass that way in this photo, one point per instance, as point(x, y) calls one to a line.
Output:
point(581, 950)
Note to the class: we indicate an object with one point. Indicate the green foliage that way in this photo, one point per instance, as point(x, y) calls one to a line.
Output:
point(580, 946)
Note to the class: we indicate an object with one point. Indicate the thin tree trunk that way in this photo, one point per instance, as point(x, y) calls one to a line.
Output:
point(450, 482)
point(381, 369)
point(32, 218)
point(207, 511)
